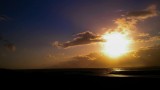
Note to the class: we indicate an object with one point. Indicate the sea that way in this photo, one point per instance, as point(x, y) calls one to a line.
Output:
point(146, 72)
point(104, 77)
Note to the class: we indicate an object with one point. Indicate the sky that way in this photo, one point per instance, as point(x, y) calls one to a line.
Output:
point(69, 33)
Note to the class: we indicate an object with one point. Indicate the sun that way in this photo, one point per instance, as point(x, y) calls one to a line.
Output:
point(117, 44)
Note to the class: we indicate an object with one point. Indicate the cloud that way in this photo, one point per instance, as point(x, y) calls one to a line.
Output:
point(149, 39)
point(150, 11)
point(3, 18)
point(126, 23)
point(10, 47)
point(91, 56)
point(146, 37)
point(143, 34)
point(129, 21)
point(91, 60)
point(7, 44)
point(141, 58)
point(80, 39)
point(149, 56)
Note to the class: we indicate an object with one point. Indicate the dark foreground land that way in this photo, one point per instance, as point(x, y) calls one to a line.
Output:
point(116, 77)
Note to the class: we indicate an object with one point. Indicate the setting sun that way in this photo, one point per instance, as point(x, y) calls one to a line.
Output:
point(116, 44)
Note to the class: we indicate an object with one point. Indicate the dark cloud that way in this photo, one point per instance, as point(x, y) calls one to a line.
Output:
point(151, 11)
point(3, 18)
point(8, 45)
point(80, 39)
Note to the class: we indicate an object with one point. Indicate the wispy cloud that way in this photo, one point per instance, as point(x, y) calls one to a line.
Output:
point(130, 20)
point(80, 39)
point(91, 56)
point(3, 18)
point(150, 11)
point(91, 60)
point(8, 45)
point(146, 37)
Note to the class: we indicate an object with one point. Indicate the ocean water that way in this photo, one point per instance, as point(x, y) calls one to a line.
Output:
point(112, 72)
point(103, 77)
point(134, 72)
point(115, 72)
point(80, 72)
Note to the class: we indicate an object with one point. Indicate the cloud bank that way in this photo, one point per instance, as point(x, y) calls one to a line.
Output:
point(80, 39)
point(148, 57)
point(83, 61)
